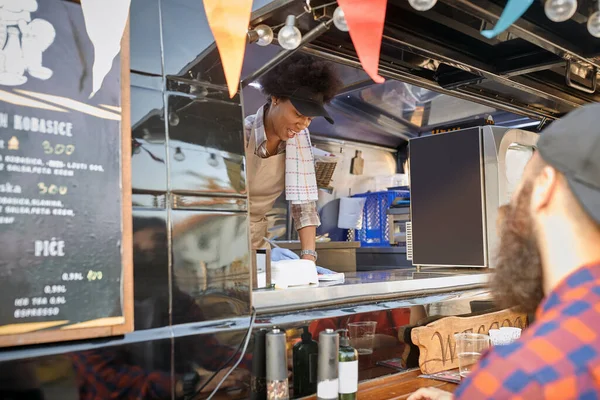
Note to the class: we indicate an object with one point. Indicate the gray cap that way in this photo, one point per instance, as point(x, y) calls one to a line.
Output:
point(572, 146)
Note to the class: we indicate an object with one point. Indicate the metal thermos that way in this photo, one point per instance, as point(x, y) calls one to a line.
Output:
point(277, 372)
point(327, 386)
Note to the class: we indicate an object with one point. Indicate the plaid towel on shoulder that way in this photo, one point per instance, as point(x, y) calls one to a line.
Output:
point(300, 179)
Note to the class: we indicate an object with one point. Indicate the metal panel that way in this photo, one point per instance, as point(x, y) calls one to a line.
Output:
point(207, 203)
point(146, 53)
point(148, 158)
point(496, 143)
point(361, 285)
point(206, 144)
point(152, 307)
point(211, 265)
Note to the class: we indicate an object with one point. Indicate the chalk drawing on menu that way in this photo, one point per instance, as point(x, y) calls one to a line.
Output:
point(22, 42)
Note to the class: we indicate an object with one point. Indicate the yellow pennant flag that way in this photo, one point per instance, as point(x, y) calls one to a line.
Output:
point(228, 21)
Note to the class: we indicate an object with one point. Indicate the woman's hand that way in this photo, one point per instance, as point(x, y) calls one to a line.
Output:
point(431, 394)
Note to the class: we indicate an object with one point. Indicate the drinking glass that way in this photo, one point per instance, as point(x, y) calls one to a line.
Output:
point(362, 336)
point(469, 348)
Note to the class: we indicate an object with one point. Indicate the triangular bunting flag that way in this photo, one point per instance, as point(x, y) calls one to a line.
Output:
point(512, 12)
point(365, 19)
point(228, 21)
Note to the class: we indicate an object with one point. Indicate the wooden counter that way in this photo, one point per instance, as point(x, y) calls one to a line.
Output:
point(396, 387)
point(391, 387)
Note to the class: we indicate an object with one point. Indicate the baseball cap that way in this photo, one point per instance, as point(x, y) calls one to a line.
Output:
point(572, 146)
point(308, 103)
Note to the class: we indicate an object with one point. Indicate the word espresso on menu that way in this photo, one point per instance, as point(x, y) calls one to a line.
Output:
point(14, 202)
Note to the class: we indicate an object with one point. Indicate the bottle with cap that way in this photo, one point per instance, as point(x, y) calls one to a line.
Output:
point(347, 368)
point(277, 377)
point(327, 371)
point(305, 363)
point(258, 379)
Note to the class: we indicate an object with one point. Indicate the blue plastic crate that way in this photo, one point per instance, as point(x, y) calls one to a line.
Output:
point(375, 227)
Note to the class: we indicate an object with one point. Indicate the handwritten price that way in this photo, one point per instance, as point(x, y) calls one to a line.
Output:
point(51, 289)
point(72, 276)
point(58, 148)
point(52, 189)
point(94, 275)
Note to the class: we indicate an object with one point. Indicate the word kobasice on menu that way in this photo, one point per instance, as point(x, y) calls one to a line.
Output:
point(34, 124)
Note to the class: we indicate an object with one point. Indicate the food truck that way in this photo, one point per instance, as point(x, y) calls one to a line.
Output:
point(127, 270)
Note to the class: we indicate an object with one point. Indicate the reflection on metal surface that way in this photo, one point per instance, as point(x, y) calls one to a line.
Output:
point(109, 371)
point(198, 169)
point(466, 93)
point(445, 54)
point(148, 167)
point(148, 200)
point(207, 146)
point(151, 269)
point(211, 262)
point(145, 36)
point(366, 286)
point(209, 203)
point(186, 34)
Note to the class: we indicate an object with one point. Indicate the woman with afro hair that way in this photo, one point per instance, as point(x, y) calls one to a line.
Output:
point(278, 148)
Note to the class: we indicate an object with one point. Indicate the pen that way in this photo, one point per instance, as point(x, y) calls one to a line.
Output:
point(272, 243)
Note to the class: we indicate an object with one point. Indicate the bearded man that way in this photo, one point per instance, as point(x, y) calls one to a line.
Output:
point(549, 263)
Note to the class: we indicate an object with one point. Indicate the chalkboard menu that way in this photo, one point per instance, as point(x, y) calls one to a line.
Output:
point(65, 205)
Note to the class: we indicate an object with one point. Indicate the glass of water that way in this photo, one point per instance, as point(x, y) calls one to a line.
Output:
point(469, 348)
point(362, 336)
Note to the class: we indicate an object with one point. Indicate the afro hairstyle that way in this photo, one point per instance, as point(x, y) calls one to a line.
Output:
point(302, 70)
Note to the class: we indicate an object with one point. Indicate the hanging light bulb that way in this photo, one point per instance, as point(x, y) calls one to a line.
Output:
point(339, 20)
point(560, 10)
point(212, 161)
point(289, 37)
point(173, 118)
point(179, 156)
point(593, 24)
point(422, 5)
point(136, 146)
point(265, 35)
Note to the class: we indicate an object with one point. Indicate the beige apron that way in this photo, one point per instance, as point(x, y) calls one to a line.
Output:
point(266, 182)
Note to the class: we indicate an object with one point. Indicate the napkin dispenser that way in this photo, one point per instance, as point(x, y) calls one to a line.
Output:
point(290, 273)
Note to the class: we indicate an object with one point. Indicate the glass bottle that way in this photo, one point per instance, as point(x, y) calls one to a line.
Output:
point(348, 368)
point(305, 361)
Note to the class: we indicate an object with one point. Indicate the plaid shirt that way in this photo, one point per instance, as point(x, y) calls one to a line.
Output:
point(558, 357)
point(305, 214)
point(108, 373)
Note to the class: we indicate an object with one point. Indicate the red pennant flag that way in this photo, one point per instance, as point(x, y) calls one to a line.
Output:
point(228, 21)
point(365, 19)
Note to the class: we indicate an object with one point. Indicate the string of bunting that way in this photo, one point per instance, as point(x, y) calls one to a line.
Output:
point(363, 19)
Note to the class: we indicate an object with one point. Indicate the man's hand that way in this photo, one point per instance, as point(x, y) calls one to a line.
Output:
point(431, 394)
point(237, 376)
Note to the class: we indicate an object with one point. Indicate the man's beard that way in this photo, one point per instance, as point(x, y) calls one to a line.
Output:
point(519, 276)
